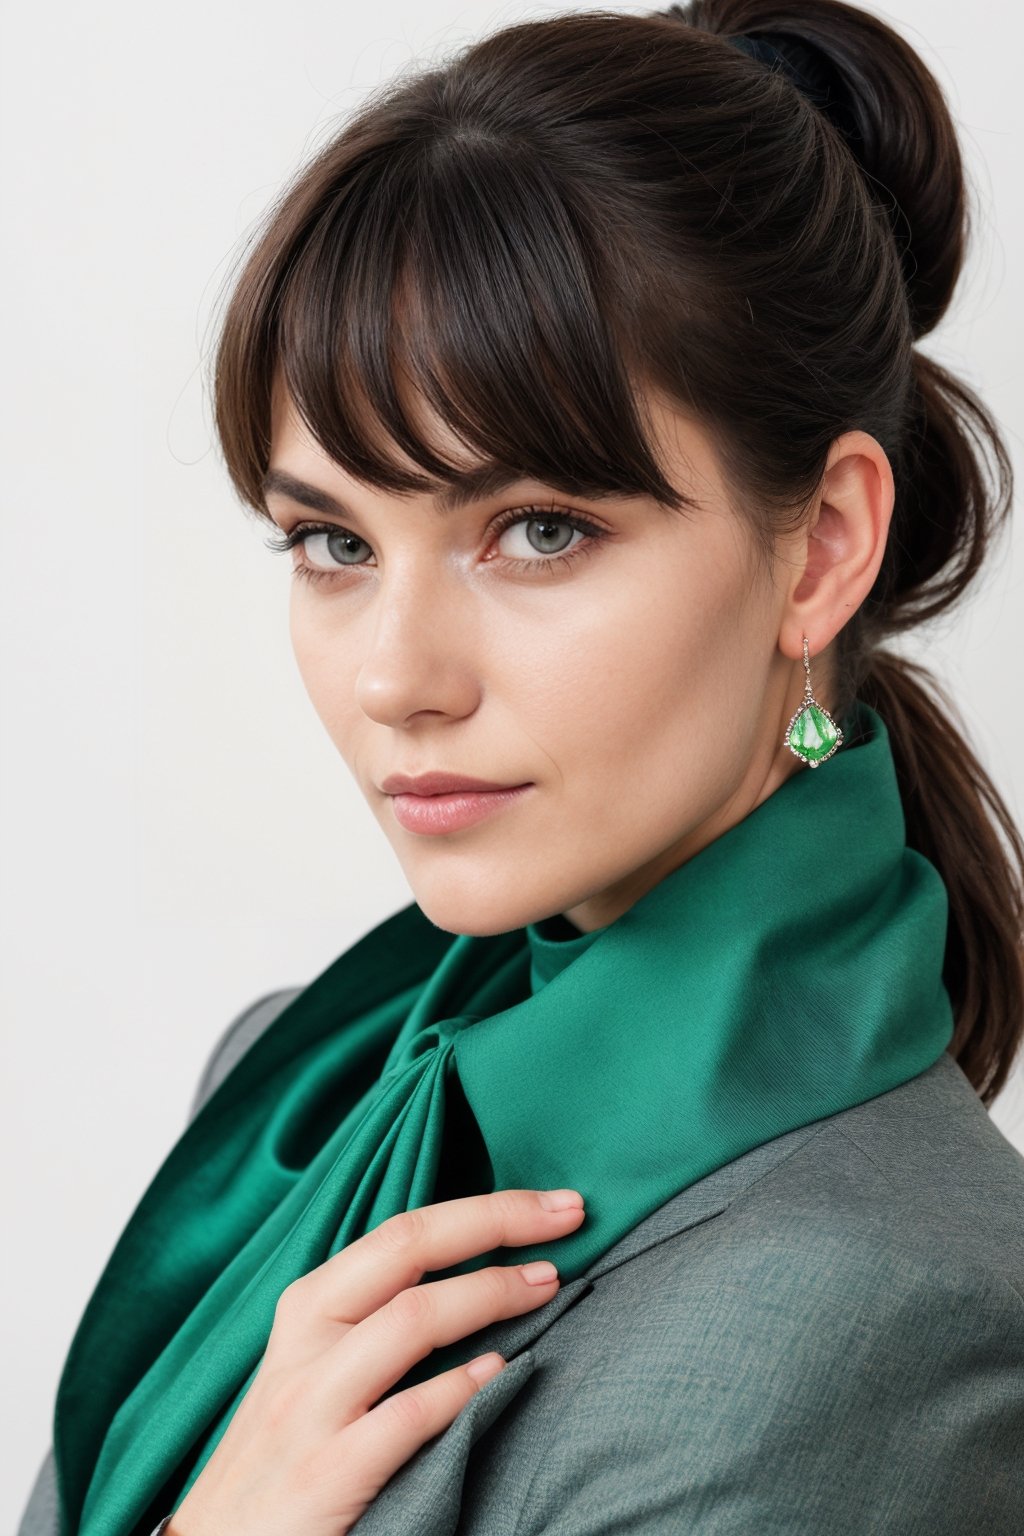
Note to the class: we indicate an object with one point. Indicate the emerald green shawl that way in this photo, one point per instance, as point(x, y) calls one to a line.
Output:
point(789, 970)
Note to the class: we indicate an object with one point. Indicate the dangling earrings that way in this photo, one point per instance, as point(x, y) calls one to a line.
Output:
point(812, 733)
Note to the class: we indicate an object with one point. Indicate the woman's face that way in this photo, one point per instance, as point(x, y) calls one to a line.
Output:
point(636, 684)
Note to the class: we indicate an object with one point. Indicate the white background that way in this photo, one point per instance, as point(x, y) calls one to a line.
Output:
point(179, 834)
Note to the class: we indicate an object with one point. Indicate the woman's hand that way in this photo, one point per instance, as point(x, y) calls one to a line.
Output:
point(306, 1451)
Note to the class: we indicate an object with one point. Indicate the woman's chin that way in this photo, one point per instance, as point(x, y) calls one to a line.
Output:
point(490, 899)
point(475, 917)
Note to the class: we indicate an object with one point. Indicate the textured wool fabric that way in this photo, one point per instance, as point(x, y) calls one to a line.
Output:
point(789, 970)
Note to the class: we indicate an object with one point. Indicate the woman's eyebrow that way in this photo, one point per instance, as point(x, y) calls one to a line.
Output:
point(471, 485)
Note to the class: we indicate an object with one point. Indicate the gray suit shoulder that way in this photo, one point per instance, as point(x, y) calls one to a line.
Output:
point(41, 1516)
point(840, 1349)
point(955, 1182)
point(236, 1040)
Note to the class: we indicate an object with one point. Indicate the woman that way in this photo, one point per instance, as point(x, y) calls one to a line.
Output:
point(579, 379)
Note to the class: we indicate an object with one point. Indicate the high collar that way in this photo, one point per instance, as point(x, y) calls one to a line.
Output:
point(554, 942)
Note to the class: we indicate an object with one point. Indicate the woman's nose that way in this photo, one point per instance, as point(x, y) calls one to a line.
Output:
point(420, 652)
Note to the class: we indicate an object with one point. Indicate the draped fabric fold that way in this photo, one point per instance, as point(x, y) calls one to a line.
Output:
point(789, 970)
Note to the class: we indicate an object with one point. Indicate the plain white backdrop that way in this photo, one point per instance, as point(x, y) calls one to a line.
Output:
point(179, 834)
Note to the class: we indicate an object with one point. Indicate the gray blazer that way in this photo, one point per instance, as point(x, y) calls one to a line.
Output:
point(824, 1337)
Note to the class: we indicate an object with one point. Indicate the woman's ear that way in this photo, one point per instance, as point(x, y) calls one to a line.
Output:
point(834, 560)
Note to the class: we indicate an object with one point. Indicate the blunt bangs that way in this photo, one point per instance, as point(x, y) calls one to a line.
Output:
point(454, 271)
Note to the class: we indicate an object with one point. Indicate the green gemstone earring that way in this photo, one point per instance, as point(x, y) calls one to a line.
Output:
point(812, 733)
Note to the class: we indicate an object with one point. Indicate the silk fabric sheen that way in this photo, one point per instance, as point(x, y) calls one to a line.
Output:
point(789, 970)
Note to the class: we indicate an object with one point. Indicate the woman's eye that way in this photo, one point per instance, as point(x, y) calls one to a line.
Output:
point(538, 535)
point(327, 549)
point(542, 541)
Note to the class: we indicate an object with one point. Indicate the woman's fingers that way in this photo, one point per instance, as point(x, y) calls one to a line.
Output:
point(385, 1438)
point(311, 1443)
point(374, 1354)
point(397, 1253)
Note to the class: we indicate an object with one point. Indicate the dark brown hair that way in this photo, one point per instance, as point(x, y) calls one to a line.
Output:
point(578, 207)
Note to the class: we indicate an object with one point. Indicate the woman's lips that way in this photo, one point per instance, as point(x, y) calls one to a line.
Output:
point(448, 813)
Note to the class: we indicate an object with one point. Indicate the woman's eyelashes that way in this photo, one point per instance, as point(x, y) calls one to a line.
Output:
point(544, 533)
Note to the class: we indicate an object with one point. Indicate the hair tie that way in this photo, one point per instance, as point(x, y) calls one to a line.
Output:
point(813, 73)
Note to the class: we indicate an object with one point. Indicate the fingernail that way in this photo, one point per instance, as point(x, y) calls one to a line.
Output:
point(560, 1199)
point(484, 1368)
point(540, 1272)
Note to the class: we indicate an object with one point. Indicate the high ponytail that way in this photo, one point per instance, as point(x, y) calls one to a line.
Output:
point(954, 490)
point(956, 482)
point(632, 200)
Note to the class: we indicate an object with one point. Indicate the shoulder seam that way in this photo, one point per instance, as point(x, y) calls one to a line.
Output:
point(984, 1273)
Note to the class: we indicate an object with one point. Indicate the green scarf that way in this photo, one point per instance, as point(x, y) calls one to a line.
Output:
point(789, 970)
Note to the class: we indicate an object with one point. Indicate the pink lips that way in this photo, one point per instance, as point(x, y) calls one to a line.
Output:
point(444, 802)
